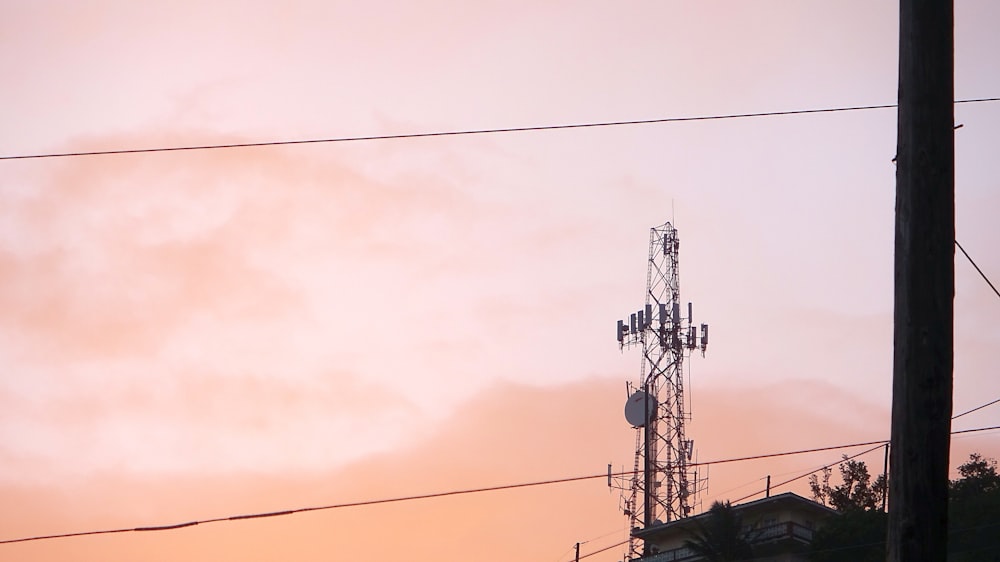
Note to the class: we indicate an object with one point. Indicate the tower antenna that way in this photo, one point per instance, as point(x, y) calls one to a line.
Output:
point(662, 486)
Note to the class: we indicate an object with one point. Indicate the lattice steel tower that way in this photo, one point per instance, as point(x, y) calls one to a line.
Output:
point(662, 485)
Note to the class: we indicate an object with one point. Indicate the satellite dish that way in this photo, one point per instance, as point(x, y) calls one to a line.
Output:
point(640, 408)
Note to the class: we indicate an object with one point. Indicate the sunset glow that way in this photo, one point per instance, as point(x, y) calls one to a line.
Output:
point(201, 334)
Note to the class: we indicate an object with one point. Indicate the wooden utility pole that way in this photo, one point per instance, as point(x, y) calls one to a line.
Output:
point(885, 478)
point(925, 284)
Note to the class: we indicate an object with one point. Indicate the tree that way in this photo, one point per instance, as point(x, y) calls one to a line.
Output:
point(974, 512)
point(858, 533)
point(979, 476)
point(721, 536)
point(852, 536)
point(856, 492)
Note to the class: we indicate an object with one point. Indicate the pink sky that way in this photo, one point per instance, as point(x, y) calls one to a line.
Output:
point(202, 334)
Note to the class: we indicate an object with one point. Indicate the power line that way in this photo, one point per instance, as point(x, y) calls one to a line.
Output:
point(308, 509)
point(745, 484)
point(985, 278)
point(804, 451)
point(865, 452)
point(977, 408)
point(427, 496)
point(605, 549)
point(608, 534)
point(798, 478)
point(565, 552)
point(581, 543)
point(473, 131)
point(801, 476)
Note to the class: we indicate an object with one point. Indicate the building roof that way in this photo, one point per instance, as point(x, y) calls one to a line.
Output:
point(787, 499)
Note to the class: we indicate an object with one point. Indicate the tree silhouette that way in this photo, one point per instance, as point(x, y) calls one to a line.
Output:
point(979, 476)
point(858, 534)
point(856, 492)
point(720, 537)
point(974, 512)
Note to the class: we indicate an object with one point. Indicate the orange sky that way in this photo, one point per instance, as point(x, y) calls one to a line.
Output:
point(201, 334)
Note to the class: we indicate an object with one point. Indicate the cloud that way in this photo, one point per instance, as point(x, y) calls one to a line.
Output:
point(199, 422)
point(510, 434)
point(168, 311)
point(111, 255)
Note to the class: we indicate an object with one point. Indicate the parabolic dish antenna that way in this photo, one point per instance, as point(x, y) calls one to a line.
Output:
point(640, 408)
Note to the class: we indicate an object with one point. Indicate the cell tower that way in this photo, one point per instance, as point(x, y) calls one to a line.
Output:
point(662, 485)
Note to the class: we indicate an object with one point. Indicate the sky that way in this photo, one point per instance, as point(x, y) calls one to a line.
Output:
point(200, 334)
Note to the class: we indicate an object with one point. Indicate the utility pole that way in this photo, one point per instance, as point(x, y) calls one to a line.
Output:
point(885, 477)
point(923, 352)
point(577, 558)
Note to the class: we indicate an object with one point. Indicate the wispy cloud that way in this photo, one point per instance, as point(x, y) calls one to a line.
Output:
point(509, 434)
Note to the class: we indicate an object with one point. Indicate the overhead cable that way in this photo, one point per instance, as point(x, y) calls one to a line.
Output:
point(589, 554)
point(472, 131)
point(306, 509)
point(801, 476)
point(865, 452)
point(985, 278)
point(976, 409)
point(426, 496)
